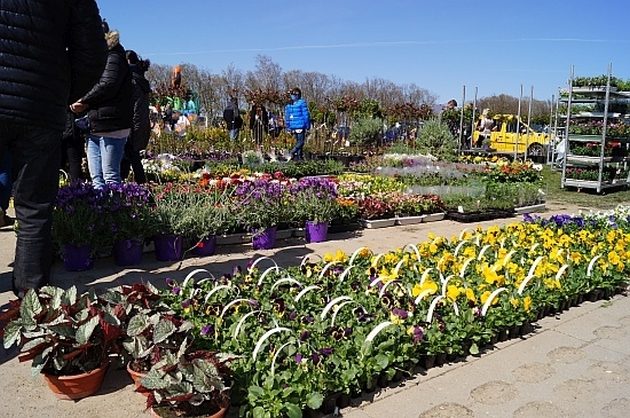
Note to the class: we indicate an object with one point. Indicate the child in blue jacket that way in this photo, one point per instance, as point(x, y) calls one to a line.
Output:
point(297, 121)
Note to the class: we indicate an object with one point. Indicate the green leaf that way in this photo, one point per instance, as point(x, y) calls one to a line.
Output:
point(137, 325)
point(259, 412)
point(55, 293)
point(256, 391)
point(315, 400)
point(85, 331)
point(40, 361)
point(30, 305)
point(382, 361)
point(154, 380)
point(33, 343)
point(162, 331)
point(293, 411)
point(70, 296)
point(474, 349)
point(12, 333)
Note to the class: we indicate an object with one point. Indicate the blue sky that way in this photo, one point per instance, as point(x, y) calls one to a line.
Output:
point(439, 45)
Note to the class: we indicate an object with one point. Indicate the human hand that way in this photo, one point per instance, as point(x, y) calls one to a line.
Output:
point(78, 107)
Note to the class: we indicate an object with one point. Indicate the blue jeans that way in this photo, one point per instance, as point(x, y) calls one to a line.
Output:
point(104, 156)
point(5, 180)
point(234, 134)
point(297, 152)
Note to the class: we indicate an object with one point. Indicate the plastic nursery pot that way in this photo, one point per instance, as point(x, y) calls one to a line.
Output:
point(77, 386)
point(77, 258)
point(264, 239)
point(128, 252)
point(316, 231)
point(206, 247)
point(137, 380)
point(169, 247)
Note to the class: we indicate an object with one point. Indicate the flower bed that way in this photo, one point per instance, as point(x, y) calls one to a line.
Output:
point(307, 333)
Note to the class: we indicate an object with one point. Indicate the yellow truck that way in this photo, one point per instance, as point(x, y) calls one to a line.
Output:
point(504, 137)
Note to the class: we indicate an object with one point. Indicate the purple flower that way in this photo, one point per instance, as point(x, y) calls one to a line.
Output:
point(326, 352)
point(169, 282)
point(186, 303)
point(401, 313)
point(304, 335)
point(418, 334)
point(176, 290)
point(208, 329)
point(299, 358)
point(307, 319)
point(316, 358)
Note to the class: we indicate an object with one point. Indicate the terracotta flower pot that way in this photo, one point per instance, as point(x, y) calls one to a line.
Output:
point(77, 386)
point(137, 380)
point(219, 414)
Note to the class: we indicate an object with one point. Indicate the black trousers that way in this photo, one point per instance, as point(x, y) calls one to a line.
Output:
point(132, 160)
point(72, 156)
point(36, 154)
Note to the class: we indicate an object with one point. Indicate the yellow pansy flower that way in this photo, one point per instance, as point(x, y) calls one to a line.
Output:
point(470, 295)
point(515, 302)
point(427, 285)
point(527, 303)
point(453, 292)
point(484, 296)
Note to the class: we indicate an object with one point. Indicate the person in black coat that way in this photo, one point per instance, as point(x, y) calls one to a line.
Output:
point(141, 126)
point(73, 146)
point(232, 117)
point(258, 123)
point(51, 53)
point(110, 112)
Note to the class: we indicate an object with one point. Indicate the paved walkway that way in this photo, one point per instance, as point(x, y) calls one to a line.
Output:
point(575, 365)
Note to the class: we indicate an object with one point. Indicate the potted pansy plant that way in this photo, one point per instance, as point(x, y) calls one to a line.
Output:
point(314, 201)
point(127, 211)
point(262, 207)
point(78, 226)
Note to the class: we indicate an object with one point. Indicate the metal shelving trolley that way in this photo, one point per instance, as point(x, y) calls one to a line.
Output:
point(598, 127)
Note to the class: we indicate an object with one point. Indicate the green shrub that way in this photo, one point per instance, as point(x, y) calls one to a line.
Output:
point(366, 131)
point(435, 138)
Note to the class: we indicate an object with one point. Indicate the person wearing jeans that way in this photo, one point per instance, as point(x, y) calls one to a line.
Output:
point(51, 53)
point(297, 120)
point(104, 155)
point(110, 112)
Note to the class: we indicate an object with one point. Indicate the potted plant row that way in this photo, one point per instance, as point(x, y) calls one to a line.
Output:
point(344, 325)
point(71, 339)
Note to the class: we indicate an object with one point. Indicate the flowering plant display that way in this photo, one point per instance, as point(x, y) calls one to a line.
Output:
point(127, 210)
point(78, 215)
point(313, 199)
point(377, 207)
point(261, 202)
point(515, 172)
point(345, 323)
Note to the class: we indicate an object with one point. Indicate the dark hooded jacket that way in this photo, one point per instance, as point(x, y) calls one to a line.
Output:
point(141, 127)
point(51, 53)
point(109, 101)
